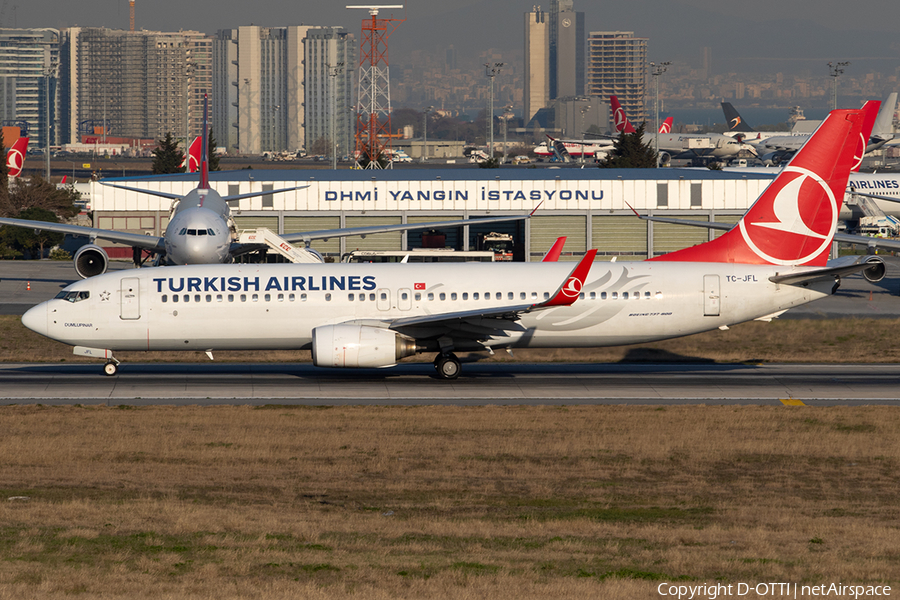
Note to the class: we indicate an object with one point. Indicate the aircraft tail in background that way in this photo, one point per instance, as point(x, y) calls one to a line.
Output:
point(619, 117)
point(15, 157)
point(734, 120)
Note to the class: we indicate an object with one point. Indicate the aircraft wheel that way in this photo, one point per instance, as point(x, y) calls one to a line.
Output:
point(110, 369)
point(447, 366)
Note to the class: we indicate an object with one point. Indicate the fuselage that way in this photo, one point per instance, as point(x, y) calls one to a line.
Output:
point(199, 231)
point(230, 307)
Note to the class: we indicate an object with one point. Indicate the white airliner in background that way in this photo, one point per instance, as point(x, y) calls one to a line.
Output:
point(372, 315)
point(201, 229)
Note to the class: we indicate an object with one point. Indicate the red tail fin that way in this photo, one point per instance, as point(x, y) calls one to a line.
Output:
point(870, 112)
point(193, 164)
point(619, 117)
point(15, 158)
point(794, 220)
point(204, 146)
point(666, 126)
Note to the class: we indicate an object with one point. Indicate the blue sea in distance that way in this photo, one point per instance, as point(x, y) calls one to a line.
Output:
point(752, 116)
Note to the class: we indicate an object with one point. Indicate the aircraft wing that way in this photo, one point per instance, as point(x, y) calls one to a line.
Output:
point(147, 242)
point(493, 321)
point(168, 195)
point(856, 192)
point(847, 238)
point(324, 234)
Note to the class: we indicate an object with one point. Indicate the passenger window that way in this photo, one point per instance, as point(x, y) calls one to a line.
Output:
point(475, 296)
point(351, 297)
point(372, 297)
point(615, 295)
point(383, 296)
point(165, 298)
point(603, 295)
point(546, 295)
point(362, 297)
point(267, 297)
point(498, 296)
point(231, 297)
point(174, 297)
point(327, 297)
point(442, 296)
point(186, 298)
point(624, 295)
point(418, 296)
point(646, 295)
point(521, 295)
point(404, 296)
point(581, 296)
point(254, 298)
point(465, 295)
point(218, 297)
point(593, 295)
point(302, 297)
point(534, 295)
point(659, 295)
point(430, 296)
point(510, 296)
point(453, 295)
point(243, 297)
point(196, 297)
point(209, 297)
point(290, 297)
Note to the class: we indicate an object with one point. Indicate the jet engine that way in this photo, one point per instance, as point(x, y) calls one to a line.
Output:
point(665, 158)
point(876, 272)
point(355, 346)
point(91, 260)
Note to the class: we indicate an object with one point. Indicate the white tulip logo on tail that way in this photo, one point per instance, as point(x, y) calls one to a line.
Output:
point(797, 224)
point(619, 118)
point(572, 287)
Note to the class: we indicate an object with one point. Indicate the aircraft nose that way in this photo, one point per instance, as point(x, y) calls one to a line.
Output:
point(35, 318)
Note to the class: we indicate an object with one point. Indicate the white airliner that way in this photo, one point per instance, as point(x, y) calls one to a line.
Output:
point(372, 315)
point(201, 229)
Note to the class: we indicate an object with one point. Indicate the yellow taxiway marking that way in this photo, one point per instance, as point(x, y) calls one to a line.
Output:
point(792, 402)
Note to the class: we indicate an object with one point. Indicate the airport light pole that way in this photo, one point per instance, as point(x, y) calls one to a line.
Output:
point(425, 130)
point(584, 109)
point(657, 70)
point(507, 115)
point(334, 71)
point(836, 70)
point(492, 71)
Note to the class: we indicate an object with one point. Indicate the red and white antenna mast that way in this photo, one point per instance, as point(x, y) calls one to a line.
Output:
point(373, 117)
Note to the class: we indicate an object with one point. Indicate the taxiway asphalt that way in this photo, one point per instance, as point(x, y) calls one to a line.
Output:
point(480, 384)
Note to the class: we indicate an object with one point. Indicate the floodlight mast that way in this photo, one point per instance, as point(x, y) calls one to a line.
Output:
point(373, 118)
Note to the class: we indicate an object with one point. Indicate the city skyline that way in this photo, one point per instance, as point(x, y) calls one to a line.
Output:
point(774, 36)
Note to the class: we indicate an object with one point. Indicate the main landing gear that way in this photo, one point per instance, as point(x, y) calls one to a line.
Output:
point(447, 366)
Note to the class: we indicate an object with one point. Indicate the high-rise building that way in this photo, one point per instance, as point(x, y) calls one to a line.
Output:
point(566, 49)
point(258, 88)
point(554, 55)
point(331, 71)
point(132, 84)
point(28, 82)
point(617, 63)
point(537, 62)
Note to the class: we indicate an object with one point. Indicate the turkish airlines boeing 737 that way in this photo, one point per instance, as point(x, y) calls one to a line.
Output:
point(373, 315)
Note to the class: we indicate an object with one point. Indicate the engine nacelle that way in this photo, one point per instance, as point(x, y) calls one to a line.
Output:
point(876, 272)
point(91, 260)
point(665, 158)
point(355, 346)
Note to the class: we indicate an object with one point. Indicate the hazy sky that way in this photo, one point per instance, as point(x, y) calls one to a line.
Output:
point(762, 35)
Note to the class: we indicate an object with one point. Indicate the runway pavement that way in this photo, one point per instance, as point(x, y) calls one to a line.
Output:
point(480, 384)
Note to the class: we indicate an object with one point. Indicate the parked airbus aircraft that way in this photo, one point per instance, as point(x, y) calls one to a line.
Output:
point(15, 157)
point(372, 315)
point(201, 229)
point(776, 149)
point(679, 145)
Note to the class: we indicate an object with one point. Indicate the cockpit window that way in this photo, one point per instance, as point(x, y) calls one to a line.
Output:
point(183, 231)
point(210, 232)
point(201, 232)
point(192, 232)
point(73, 296)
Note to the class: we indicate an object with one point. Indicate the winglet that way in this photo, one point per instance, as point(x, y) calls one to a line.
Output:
point(531, 214)
point(568, 292)
point(554, 252)
point(204, 146)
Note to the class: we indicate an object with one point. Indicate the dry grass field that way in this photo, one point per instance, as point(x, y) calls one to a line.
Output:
point(838, 340)
point(442, 502)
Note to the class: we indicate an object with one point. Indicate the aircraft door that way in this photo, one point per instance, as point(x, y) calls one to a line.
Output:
point(404, 299)
point(130, 298)
point(383, 301)
point(711, 295)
